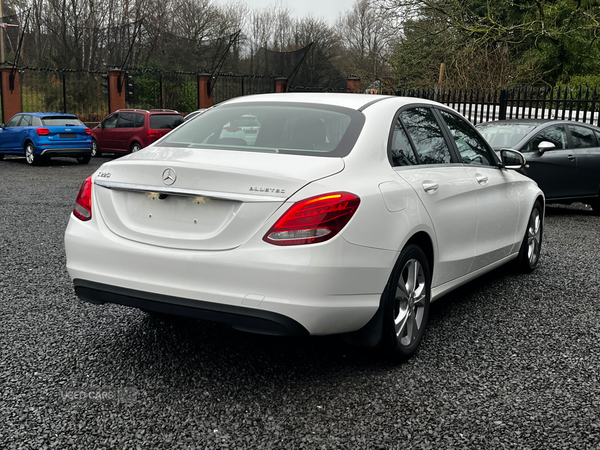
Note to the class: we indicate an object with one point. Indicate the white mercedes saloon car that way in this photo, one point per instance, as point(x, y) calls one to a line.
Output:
point(343, 214)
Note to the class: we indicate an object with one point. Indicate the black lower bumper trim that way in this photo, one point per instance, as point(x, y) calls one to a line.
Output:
point(240, 318)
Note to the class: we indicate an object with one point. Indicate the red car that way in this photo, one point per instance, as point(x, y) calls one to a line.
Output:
point(130, 130)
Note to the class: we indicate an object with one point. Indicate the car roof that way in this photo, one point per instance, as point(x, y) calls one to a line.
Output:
point(49, 114)
point(346, 100)
point(534, 122)
point(150, 111)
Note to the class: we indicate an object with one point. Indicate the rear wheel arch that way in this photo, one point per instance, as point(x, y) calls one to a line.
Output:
point(371, 334)
point(423, 240)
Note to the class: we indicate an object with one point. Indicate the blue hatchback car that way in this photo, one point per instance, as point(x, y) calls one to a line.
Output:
point(39, 136)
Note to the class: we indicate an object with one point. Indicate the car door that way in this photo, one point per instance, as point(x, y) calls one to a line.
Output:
point(10, 137)
point(586, 148)
point(24, 130)
point(105, 135)
point(421, 156)
point(124, 131)
point(497, 194)
point(555, 171)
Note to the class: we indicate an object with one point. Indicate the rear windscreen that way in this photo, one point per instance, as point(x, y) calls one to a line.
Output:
point(162, 121)
point(62, 121)
point(274, 127)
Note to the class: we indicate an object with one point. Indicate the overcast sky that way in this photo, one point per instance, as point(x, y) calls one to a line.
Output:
point(326, 9)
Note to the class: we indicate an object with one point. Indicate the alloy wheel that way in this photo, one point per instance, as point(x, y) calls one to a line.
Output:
point(30, 153)
point(409, 306)
point(534, 236)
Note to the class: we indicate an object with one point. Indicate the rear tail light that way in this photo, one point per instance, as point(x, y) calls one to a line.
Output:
point(42, 131)
point(88, 131)
point(316, 219)
point(154, 134)
point(83, 203)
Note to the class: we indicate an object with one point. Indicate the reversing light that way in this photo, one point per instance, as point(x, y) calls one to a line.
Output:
point(42, 131)
point(315, 219)
point(83, 203)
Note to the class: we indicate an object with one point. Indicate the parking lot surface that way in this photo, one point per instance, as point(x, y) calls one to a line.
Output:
point(508, 361)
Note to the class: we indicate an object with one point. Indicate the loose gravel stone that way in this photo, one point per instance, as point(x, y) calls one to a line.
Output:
point(509, 361)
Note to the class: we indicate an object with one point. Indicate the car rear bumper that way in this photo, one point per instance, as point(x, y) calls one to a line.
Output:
point(329, 288)
point(245, 319)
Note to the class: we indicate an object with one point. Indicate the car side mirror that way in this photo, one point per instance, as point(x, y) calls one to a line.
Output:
point(512, 159)
point(544, 146)
point(2, 125)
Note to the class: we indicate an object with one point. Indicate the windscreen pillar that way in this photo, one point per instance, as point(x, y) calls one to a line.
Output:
point(116, 99)
point(281, 85)
point(353, 84)
point(206, 85)
point(11, 93)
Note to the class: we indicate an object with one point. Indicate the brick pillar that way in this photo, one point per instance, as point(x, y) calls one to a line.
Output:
point(281, 85)
point(11, 98)
point(205, 81)
point(116, 99)
point(353, 84)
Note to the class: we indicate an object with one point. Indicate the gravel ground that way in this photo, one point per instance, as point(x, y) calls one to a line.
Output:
point(508, 361)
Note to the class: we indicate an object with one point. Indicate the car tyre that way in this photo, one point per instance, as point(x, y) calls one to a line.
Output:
point(531, 246)
point(1, 156)
point(406, 304)
point(95, 150)
point(135, 147)
point(84, 159)
point(30, 156)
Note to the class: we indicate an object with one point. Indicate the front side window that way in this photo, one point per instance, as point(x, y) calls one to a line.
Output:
point(273, 127)
point(110, 121)
point(402, 153)
point(582, 137)
point(472, 148)
point(14, 121)
point(555, 134)
point(427, 136)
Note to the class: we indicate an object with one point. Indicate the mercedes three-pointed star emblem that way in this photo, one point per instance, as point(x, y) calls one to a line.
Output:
point(169, 176)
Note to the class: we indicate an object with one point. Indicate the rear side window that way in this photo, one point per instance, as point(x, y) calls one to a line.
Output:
point(427, 136)
point(273, 127)
point(138, 120)
point(163, 121)
point(125, 120)
point(25, 121)
point(402, 152)
point(472, 148)
point(582, 137)
point(62, 121)
point(555, 134)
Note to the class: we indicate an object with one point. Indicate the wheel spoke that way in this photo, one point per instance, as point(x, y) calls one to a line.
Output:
point(414, 328)
point(400, 323)
point(401, 290)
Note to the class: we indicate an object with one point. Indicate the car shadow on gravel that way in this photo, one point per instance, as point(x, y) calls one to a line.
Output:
point(180, 349)
point(576, 209)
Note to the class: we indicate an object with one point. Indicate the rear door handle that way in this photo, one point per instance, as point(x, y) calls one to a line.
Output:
point(430, 187)
point(571, 157)
point(481, 179)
